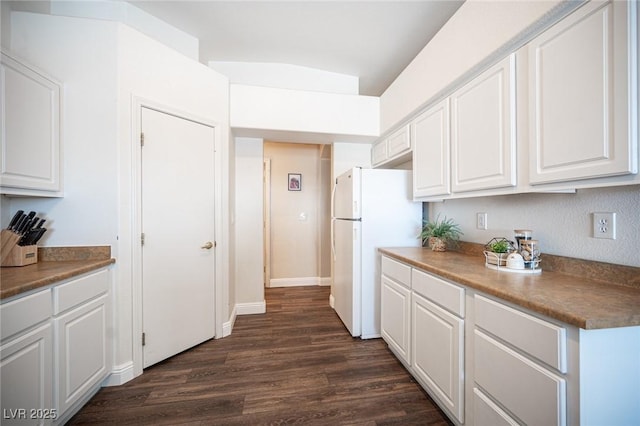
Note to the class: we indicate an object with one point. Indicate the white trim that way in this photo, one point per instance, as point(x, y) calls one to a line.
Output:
point(251, 308)
point(332, 301)
point(227, 327)
point(297, 282)
point(325, 281)
point(120, 375)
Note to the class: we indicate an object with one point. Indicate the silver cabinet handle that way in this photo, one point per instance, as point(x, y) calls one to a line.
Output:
point(208, 245)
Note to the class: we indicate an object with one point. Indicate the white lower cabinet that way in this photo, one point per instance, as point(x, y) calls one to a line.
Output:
point(26, 360)
point(489, 362)
point(437, 341)
point(55, 349)
point(395, 308)
point(26, 379)
point(534, 394)
point(422, 322)
point(519, 362)
point(83, 353)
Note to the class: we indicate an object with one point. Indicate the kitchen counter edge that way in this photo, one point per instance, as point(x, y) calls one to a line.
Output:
point(18, 280)
point(584, 303)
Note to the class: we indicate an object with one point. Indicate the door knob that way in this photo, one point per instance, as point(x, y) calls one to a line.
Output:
point(208, 245)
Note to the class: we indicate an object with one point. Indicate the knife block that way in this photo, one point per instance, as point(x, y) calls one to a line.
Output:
point(11, 254)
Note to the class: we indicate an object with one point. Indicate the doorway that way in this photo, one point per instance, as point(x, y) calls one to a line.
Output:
point(297, 217)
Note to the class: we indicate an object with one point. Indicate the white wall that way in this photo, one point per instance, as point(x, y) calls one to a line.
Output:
point(475, 31)
point(561, 222)
point(249, 250)
point(254, 107)
point(348, 155)
point(287, 76)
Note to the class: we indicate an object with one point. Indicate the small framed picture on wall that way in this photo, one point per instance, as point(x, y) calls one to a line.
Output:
point(295, 182)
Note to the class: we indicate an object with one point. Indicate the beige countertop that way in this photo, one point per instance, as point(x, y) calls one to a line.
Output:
point(54, 265)
point(577, 300)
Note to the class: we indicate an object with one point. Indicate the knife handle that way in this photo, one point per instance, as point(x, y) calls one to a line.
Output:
point(15, 219)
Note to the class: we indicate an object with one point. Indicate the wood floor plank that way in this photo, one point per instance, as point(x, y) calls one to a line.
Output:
point(295, 364)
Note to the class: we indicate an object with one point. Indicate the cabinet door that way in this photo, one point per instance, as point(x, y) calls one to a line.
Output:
point(25, 368)
point(379, 152)
point(580, 97)
point(430, 133)
point(395, 317)
point(483, 130)
point(84, 355)
point(30, 111)
point(399, 142)
point(437, 342)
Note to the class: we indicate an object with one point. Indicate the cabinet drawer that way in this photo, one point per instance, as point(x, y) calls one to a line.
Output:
point(397, 271)
point(25, 312)
point(447, 295)
point(533, 394)
point(73, 293)
point(487, 413)
point(538, 338)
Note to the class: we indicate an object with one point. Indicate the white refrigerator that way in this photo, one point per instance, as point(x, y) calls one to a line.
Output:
point(371, 208)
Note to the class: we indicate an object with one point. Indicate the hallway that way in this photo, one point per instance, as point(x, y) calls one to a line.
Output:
point(294, 364)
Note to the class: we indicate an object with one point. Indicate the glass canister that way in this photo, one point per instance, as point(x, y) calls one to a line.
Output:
point(522, 234)
point(530, 252)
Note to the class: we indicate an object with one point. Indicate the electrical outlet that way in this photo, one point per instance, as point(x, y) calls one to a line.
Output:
point(604, 225)
point(481, 220)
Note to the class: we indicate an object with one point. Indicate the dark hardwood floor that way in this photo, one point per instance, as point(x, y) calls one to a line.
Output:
point(296, 364)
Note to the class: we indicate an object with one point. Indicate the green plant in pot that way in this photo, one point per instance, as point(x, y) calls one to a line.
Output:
point(501, 246)
point(439, 234)
point(497, 250)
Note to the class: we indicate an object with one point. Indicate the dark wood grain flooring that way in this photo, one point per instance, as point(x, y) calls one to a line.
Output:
point(296, 364)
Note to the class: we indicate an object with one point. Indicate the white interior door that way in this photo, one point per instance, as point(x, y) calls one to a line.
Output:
point(178, 226)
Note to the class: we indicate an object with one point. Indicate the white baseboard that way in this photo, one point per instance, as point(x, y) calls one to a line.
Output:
point(120, 375)
point(227, 327)
point(251, 308)
point(332, 301)
point(299, 282)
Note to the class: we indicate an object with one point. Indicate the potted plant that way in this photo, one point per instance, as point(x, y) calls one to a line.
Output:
point(440, 233)
point(497, 250)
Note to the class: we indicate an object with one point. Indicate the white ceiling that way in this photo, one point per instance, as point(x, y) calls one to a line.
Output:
point(372, 40)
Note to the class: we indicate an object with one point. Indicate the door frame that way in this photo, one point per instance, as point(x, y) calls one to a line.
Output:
point(266, 170)
point(136, 220)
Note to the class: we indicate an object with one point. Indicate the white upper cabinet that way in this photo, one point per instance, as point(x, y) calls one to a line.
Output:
point(379, 152)
point(430, 134)
point(580, 94)
point(483, 129)
point(399, 142)
point(392, 150)
point(30, 113)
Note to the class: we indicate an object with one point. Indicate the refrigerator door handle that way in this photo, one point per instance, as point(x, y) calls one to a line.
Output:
point(333, 199)
point(333, 238)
